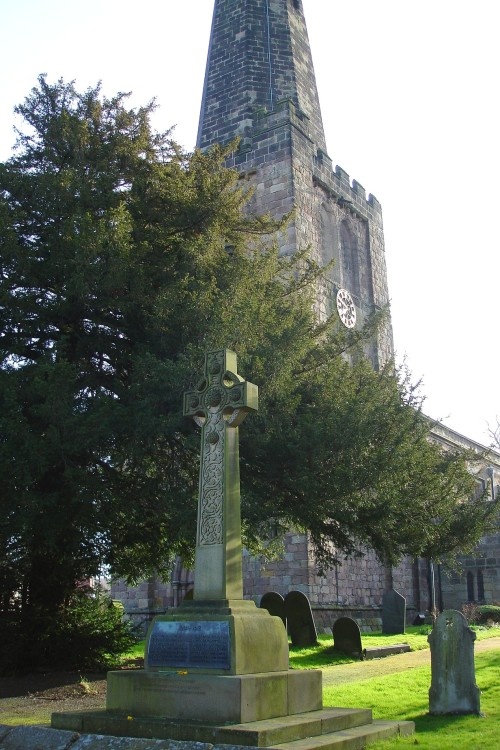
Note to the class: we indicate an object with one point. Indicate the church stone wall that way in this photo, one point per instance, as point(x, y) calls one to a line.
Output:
point(292, 572)
point(356, 582)
point(483, 569)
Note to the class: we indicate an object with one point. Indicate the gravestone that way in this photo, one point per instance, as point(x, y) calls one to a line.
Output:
point(347, 636)
point(300, 620)
point(453, 685)
point(393, 613)
point(275, 605)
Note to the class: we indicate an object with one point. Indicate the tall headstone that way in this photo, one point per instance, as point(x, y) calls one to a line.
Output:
point(275, 605)
point(300, 620)
point(219, 405)
point(393, 613)
point(453, 686)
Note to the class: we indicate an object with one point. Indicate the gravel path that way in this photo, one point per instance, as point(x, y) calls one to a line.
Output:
point(364, 670)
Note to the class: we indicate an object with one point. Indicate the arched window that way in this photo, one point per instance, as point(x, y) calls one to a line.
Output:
point(350, 259)
point(330, 242)
point(470, 587)
point(480, 586)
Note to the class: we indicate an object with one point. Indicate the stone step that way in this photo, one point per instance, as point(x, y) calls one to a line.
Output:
point(264, 733)
point(355, 738)
point(284, 730)
point(35, 738)
point(323, 729)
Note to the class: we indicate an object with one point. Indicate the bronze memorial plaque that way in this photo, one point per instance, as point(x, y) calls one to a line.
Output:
point(187, 644)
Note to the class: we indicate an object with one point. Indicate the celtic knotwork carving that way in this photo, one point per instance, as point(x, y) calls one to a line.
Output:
point(231, 418)
point(212, 500)
point(235, 394)
point(213, 472)
point(211, 530)
point(212, 438)
point(219, 403)
point(215, 364)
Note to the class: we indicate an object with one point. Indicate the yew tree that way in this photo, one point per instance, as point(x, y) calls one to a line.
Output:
point(124, 259)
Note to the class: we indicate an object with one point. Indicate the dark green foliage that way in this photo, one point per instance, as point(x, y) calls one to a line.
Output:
point(488, 612)
point(87, 633)
point(114, 282)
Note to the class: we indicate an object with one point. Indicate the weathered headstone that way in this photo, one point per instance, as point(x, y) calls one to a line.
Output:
point(300, 620)
point(453, 686)
point(393, 613)
point(347, 636)
point(275, 605)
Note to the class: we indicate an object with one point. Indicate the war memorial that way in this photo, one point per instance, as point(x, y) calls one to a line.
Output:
point(216, 669)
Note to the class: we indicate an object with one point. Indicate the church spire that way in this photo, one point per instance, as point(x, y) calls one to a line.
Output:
point(260, 86)
point(259, 56)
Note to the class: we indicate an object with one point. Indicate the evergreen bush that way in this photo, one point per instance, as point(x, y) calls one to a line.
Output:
point(87, 633)
point(488, 612)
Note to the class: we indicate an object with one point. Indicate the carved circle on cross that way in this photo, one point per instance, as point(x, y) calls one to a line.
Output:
point(194, 401)
point(215, 397)
point(235, 394)
point(214, 367)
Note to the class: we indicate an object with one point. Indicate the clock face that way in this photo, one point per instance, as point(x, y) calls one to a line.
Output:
point(345, 308)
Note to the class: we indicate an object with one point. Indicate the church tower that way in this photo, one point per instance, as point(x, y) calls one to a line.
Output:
point(260, 87)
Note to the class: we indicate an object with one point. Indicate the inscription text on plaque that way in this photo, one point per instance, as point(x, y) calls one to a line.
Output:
point(188, 644)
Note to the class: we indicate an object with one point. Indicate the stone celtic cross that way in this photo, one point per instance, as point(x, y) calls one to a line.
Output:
point(219, 404)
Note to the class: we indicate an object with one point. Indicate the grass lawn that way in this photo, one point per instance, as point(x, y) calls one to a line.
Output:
point(404, 696)
point(319, 657)
point(323, 655)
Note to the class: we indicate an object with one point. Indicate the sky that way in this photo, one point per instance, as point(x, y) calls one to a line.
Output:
point(409, 98)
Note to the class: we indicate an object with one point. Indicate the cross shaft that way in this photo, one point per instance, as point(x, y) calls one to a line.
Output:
point(219, 405)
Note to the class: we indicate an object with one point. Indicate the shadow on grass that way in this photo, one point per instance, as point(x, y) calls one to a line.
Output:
point(316, 657)
point(425, 723)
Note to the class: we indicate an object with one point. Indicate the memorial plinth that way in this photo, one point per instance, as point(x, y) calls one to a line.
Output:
point(223, 661)
point(230, 638)
point(216, 668)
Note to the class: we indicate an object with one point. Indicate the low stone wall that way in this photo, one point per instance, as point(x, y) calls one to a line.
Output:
point(36, 738)
point(369, 619)
point(141, 619)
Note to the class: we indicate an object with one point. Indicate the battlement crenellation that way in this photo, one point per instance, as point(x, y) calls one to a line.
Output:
point(261, 142)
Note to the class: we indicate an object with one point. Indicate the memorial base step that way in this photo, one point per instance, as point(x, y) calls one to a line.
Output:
point(323, 729)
